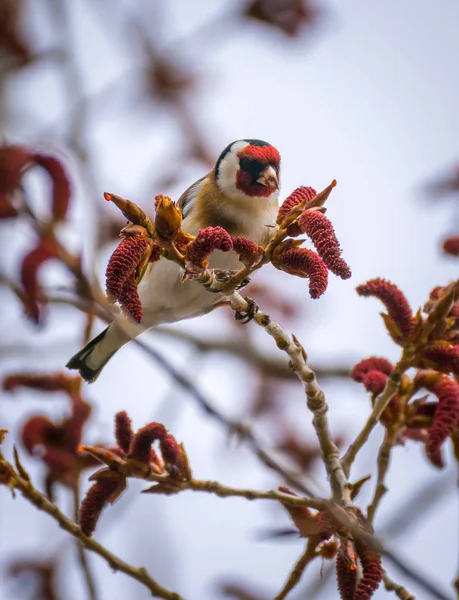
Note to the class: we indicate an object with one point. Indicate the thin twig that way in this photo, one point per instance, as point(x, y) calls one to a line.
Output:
point(250, 354)
point(381, 403)
point(42, 503)
point(383, 465)
point(223, 491)
point(399, 590)
point(308, 556)
point(84, 564)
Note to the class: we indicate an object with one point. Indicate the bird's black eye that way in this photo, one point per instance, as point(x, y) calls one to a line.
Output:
point(251, 166)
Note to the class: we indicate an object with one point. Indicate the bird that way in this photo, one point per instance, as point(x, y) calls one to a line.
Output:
point(239, 194)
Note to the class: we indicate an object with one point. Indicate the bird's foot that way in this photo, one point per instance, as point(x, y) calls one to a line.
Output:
point(243, 283)
point(247, 315)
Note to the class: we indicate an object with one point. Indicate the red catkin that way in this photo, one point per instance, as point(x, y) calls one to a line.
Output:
point(346, 577)
point(174, 455)
point(143, 439)
point(445, 420)
point(73, 426)
point(393, 299)
point(130, 301)
point(249, 253)
point(296, 197)
point(445, 357)
point(289, 16)
point(123, 263)
point(374, 382)
point(208, 240)
point(170, 449)
point(35, 431)
point(305, 263)
point(373, 373)
point(373, 363)
point(371, 572)
point(123, 431)
point(318, 227)
point(37, 381)
point(451, 245)
point(96, 500)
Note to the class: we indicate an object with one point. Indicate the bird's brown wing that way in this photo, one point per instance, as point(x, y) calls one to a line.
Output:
point(185, 200)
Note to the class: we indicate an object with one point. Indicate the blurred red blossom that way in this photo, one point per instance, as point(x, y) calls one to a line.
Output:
point(15, 160)
point(31, 265)
point(45, 577)
point(55, 443)
point(13, 43)
point(290, 16)
point(451, 245)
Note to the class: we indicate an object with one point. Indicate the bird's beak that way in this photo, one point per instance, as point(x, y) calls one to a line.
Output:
point(269, 178)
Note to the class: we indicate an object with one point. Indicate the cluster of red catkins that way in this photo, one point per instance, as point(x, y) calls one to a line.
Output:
point(122, 273)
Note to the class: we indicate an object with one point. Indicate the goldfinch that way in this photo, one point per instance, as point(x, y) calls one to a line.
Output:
point(239, 194)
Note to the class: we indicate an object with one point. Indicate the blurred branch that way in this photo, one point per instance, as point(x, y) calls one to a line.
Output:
point(421, 500)
point(308, 556)
point(84, 564)
point(399, 590)
point(42, 503)
point(250, 354)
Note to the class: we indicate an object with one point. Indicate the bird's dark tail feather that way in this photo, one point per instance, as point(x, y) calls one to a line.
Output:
point(79, 360)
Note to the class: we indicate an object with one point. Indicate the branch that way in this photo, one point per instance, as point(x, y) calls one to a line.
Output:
point(399, 590)
point(84, 564)
point(250, 354)
point(308, 556)
point(42, 503)
point(315, 396)
point(223, 491)
point(233, 426)
point(383, 465)
point(381, 403)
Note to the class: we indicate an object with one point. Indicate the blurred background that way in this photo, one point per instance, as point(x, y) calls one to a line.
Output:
point(139, 97)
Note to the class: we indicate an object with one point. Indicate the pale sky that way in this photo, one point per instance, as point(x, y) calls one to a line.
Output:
point(369, 98)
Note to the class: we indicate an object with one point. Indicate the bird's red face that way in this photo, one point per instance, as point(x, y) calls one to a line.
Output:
point(247, 172)
point(258, 173)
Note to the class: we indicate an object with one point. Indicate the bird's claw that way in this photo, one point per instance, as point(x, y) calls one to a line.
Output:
point(247, 315)
point(243, 283)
